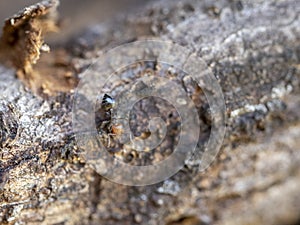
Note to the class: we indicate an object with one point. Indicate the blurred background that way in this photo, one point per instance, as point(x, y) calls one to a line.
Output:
point(77, 14)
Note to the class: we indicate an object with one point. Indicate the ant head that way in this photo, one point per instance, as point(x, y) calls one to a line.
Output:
point(108, 102)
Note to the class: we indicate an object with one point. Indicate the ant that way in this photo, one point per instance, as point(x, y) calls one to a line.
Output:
point(103, 119)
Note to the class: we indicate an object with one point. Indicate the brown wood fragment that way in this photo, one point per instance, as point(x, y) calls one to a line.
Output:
point(23, 35)
point(22, 43)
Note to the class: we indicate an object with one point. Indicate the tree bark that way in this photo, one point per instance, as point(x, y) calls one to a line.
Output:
point(253, 49)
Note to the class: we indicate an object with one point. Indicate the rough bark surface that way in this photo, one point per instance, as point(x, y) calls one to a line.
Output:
point(253, 48)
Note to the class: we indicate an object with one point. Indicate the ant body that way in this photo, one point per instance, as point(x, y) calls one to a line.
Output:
point(103, 119)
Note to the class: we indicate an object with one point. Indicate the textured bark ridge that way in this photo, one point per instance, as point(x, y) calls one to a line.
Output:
point(253, 48)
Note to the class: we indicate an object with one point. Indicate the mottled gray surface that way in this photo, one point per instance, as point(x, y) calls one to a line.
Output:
point(253, 49)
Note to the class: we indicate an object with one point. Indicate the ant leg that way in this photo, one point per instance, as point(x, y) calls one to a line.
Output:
point(108, 142)
point(109, 139)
